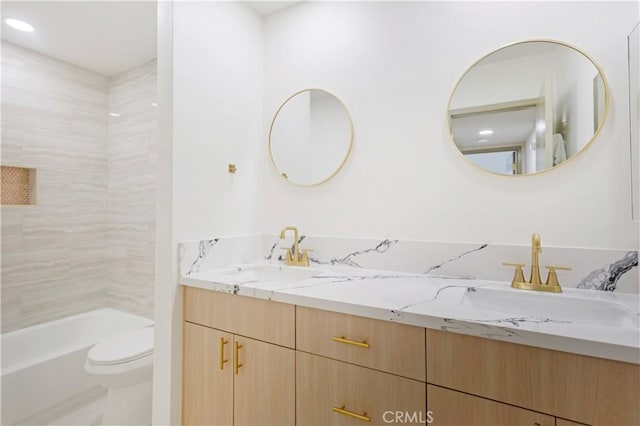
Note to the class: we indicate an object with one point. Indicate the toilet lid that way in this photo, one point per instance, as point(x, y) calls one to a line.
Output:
point(124, 348)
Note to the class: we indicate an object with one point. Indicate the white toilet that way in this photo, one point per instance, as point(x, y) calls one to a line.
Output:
point(124, 365)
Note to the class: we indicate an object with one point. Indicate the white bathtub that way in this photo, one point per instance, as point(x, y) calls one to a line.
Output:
point(43, 365)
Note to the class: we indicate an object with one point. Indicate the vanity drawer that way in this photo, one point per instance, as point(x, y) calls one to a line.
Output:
point(451, 408)
point(264, 320)
point(382, 345)
point(330, 392)
point(586, 389)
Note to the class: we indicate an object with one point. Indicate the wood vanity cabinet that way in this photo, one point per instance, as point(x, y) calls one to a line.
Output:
point(229, 377)
point(451, 408)
point(306, 366)
point(353, 370)
point(587, 390)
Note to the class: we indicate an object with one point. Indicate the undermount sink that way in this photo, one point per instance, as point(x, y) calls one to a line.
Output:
point(559, 307)
point(264, 272)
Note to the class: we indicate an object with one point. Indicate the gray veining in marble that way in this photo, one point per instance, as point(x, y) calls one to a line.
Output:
point(594, 323)
point(435, 259)
point(606, 278)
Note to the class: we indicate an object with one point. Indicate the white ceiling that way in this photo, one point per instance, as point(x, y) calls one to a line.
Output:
point(107, 37)
point(509, 128)
point(266, 8)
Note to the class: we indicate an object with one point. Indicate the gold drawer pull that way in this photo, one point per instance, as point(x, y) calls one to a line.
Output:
point(238, 365)
point(342, 339)
point(222, 360)
point(341, 410)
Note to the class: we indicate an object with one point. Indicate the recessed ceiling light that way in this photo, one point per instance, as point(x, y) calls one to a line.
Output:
point(154, 104)
point(114, 114)
point(19, 25)
point(485, 132)
point(482, 140)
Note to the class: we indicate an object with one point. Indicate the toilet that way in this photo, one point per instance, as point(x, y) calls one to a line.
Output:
point(124, 365)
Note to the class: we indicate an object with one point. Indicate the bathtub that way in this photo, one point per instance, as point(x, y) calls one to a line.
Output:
point(43, 365)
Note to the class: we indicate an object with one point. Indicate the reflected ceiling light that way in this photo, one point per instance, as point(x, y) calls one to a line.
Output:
point(19, 25)
point(114, 114)
point(485, 132)
point(483, 140)
point(154, 104)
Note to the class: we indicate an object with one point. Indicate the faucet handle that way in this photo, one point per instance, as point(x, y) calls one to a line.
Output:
point(518, 276)
point(288, 255)
point(552, 278)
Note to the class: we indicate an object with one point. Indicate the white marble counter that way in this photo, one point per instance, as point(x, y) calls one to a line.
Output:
point(600, 324)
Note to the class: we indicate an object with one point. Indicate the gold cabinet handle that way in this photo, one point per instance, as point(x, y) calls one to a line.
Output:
point(342, 339)
point(222, 360)
point(341, 410)
point(237, 350)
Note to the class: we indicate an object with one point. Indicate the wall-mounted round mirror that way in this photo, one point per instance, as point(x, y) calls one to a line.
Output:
point(310, 137)
point(528, 107)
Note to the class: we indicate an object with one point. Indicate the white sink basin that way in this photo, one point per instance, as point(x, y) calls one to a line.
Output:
point(262, 272)
point(583, 308)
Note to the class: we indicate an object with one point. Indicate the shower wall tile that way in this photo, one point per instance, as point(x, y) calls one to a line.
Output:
point(131, 190)
point(54, 119)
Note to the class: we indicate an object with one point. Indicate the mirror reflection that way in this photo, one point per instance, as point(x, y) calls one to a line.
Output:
point(310, 137)
point(527, 107)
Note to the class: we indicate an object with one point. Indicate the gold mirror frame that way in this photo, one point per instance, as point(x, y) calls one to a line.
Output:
point(580, 151)
point(346, 155)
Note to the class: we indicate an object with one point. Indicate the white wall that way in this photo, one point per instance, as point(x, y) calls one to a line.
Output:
point(329, 140)
point(289, 142)
point(217, 118)
point(210, 85)
point(395, 65)
point(575, 101)
point(503, 81)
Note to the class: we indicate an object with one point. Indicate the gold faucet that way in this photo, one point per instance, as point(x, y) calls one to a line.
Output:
point(536, 249)
point(535, 283)
point(295, 258)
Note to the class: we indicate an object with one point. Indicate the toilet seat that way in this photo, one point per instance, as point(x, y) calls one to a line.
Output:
point(123, 349)
point(123, 365)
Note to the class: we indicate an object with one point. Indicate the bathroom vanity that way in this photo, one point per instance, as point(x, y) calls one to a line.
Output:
point(270, 344)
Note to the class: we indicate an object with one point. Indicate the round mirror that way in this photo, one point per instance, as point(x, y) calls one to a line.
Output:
point(310, 137)
point(528, 107)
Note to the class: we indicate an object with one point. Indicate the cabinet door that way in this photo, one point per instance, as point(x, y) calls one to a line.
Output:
point(207, 397)
point(448, 407)
point(264, 386)
point(331, 392)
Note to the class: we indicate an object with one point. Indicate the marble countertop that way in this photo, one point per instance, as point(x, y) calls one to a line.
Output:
point(593, 323)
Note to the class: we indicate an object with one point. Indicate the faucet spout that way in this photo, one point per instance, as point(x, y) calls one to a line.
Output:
point(294, 258)
point(296, 248)
point(536, 249)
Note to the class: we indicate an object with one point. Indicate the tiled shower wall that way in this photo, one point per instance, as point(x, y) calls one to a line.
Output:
point(88, 243)
point(54, 119)
point(131, 220)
